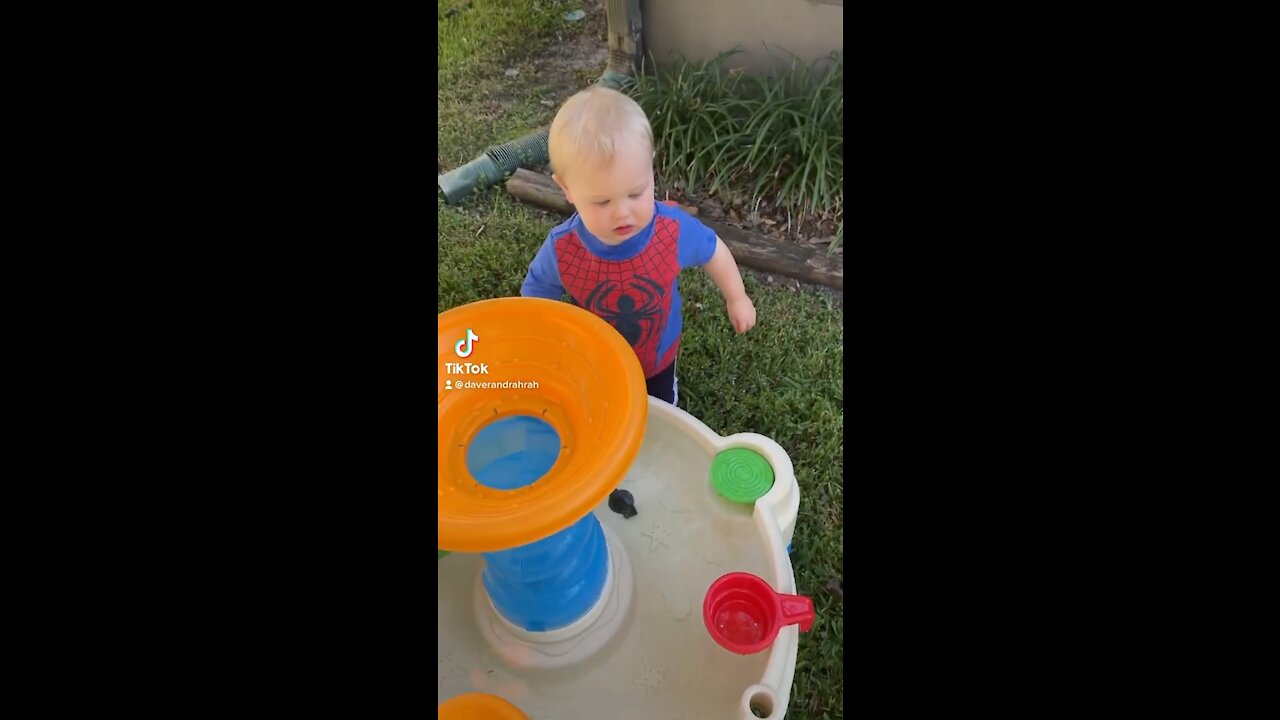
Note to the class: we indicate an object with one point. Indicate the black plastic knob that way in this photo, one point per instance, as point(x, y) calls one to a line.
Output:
point(621, 502)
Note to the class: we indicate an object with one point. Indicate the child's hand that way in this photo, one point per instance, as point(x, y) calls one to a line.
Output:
point(742, 313)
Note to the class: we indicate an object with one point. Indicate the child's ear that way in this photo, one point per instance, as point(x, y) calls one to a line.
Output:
point(563, 187)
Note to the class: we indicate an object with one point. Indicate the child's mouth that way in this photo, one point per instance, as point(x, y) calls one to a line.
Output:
point(623, 229)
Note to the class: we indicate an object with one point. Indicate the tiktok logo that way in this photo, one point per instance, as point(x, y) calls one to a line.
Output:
point(469, 341)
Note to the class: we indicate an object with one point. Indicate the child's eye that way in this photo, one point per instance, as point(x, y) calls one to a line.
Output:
point(636, 195)
point(602, 202)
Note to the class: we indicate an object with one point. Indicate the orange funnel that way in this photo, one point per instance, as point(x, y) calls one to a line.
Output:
point(479, 706)
point(542, 359)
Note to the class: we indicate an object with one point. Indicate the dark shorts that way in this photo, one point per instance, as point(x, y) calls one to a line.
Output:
point(663, 385)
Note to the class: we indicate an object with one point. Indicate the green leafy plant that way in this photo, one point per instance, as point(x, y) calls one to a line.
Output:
point(733, 135)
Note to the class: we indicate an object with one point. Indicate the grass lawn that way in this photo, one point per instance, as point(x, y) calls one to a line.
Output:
point(783, 379)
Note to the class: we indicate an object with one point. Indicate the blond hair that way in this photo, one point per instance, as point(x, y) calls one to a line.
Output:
point(589, 125)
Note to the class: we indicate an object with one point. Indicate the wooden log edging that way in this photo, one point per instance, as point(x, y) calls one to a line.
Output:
point(751, 249)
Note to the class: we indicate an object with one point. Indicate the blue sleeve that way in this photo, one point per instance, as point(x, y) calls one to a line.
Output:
point(697, 241)
point(543, 279)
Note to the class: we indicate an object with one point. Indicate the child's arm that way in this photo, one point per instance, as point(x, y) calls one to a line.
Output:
point(543, 278)
point(724, 273)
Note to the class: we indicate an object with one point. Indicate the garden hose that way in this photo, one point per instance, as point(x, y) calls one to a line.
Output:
point(500, 161)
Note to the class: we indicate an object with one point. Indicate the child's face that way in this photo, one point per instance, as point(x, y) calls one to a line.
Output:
point(615, 201)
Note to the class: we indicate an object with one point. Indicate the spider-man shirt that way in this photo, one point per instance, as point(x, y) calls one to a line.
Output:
point(634, 285)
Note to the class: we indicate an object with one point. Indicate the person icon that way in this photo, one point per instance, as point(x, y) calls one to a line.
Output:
point(448, 384)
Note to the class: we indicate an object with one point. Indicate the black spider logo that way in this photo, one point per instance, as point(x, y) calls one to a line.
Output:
point(637, 322)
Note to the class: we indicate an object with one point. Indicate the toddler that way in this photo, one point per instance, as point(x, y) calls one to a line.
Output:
point(621, 254)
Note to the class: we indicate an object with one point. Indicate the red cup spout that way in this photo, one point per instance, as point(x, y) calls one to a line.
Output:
point(797, 609)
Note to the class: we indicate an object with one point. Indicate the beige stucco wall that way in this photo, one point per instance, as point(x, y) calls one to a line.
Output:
point(700, 29)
